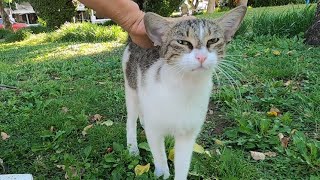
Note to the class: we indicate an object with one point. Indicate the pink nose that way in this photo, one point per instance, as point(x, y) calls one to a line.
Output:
point(201, 58)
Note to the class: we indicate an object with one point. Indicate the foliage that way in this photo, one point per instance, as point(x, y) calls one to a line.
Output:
point(19, 35)
point(54, 13)
point(87, 32)
point(260, 3)
point(161, 7)
point(4, 33)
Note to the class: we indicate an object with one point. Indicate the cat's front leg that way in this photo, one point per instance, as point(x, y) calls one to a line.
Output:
point(132, 117)
point(182, 155)
point(156, 143)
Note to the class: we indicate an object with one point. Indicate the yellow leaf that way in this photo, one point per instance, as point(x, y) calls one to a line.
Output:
point(276, 52)
point(218, 142)
point(273, 112)
point(107, 123)
point(84, 132)
point(4, 136)
point(198, 149)
point(139, 169)
point(171, 155)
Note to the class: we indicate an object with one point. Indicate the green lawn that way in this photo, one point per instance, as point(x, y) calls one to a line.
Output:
point(62, 85)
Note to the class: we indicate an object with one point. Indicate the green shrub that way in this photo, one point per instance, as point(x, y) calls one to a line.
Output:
point(4, 33)
point(87, 32)
point(39, 29)
point(260, 3)
point(19, 35)
point(161, 7)
point(289, 23)
point(54, 13)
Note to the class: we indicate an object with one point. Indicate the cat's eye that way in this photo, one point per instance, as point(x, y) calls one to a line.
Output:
point(212, 41)
point(186, 43)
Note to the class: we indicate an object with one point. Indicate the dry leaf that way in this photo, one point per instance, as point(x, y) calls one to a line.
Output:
point(64, 109)
point(109, 149)
point(171, 155)
point(210, 111)
point(257, 155)
point(139, 169)
point(270, 154)
point(2, 164)
point(96, 117)
point(218, 142)
point(284, 140)
point(101, 83)
point(84, 132)
point(51, 129)
point(289, 53)
point(276, 52)
point(218, 152)
point(288, 83)
point(4, 136)
point(107, 123)
point(61, 167)
point(208, 153)
point(198, 149)
point(258, 54)
point(274, 112)
point(73, 171)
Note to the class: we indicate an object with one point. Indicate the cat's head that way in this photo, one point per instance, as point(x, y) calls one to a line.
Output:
point(193, 44)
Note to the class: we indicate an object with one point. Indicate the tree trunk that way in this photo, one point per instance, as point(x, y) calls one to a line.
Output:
point(313, 33)
point(5, 18)
point(211, 6)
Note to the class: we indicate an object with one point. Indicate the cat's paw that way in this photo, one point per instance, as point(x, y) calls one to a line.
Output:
point(162, 172)
point(134, 151)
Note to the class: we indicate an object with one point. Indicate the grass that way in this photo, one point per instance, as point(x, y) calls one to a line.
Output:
point(62, 84)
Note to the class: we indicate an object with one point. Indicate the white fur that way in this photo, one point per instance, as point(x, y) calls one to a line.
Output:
point(175, 105)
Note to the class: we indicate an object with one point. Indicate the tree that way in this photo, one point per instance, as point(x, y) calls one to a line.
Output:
point(161, 7)
point(211, 6)
point(313, 33)
point(5, 18)
point(54, 12)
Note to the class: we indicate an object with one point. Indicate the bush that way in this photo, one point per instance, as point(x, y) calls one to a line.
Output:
point(19, 35)
point(260, 3)
point(54, 13)
point(39, 29)
point(4, 33)
point(87, 32)
point(289, 23)
point(161, 7)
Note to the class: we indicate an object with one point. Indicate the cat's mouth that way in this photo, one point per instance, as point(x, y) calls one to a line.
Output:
point(200, 69)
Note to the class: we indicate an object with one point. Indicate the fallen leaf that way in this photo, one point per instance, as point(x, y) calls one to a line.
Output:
point(288, 83)
point(218, 152)
point(284, 140)
point(85, 129)
point(210, 111)
point(198, 148)
point(276, 52)
point(4, 136)
point(257, 155)
point(109, 149)
point(258, 54)
point(101, 83)
point(107, 123)
point(64, 109)
point(61, 167)
point(274, 112)
point(270, 154)
point(289, 53)
point(171, 155)
point(218, 142)
point(2, 164)
point(139, 169)
point(96, 117)
point(57, 78)
point(51, 129)
point(73, 171)
point(208, 153)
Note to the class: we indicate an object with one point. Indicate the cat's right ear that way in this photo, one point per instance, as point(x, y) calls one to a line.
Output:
point(156, 26)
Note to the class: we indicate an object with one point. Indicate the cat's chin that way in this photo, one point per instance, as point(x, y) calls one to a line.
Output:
point(200, 69)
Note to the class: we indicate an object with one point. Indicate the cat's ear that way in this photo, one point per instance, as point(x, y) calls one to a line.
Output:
point(231, 21)
point(156, 26)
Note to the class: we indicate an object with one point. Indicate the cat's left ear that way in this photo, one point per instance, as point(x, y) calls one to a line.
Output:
point(156, 26)
point(231, 21)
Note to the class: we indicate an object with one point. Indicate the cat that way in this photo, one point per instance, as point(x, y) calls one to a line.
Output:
point(168, 86)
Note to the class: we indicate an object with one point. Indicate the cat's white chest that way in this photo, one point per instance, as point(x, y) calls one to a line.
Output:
point(174, 106)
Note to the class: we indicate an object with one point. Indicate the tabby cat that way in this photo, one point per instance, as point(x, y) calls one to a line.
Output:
point(168, 87)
